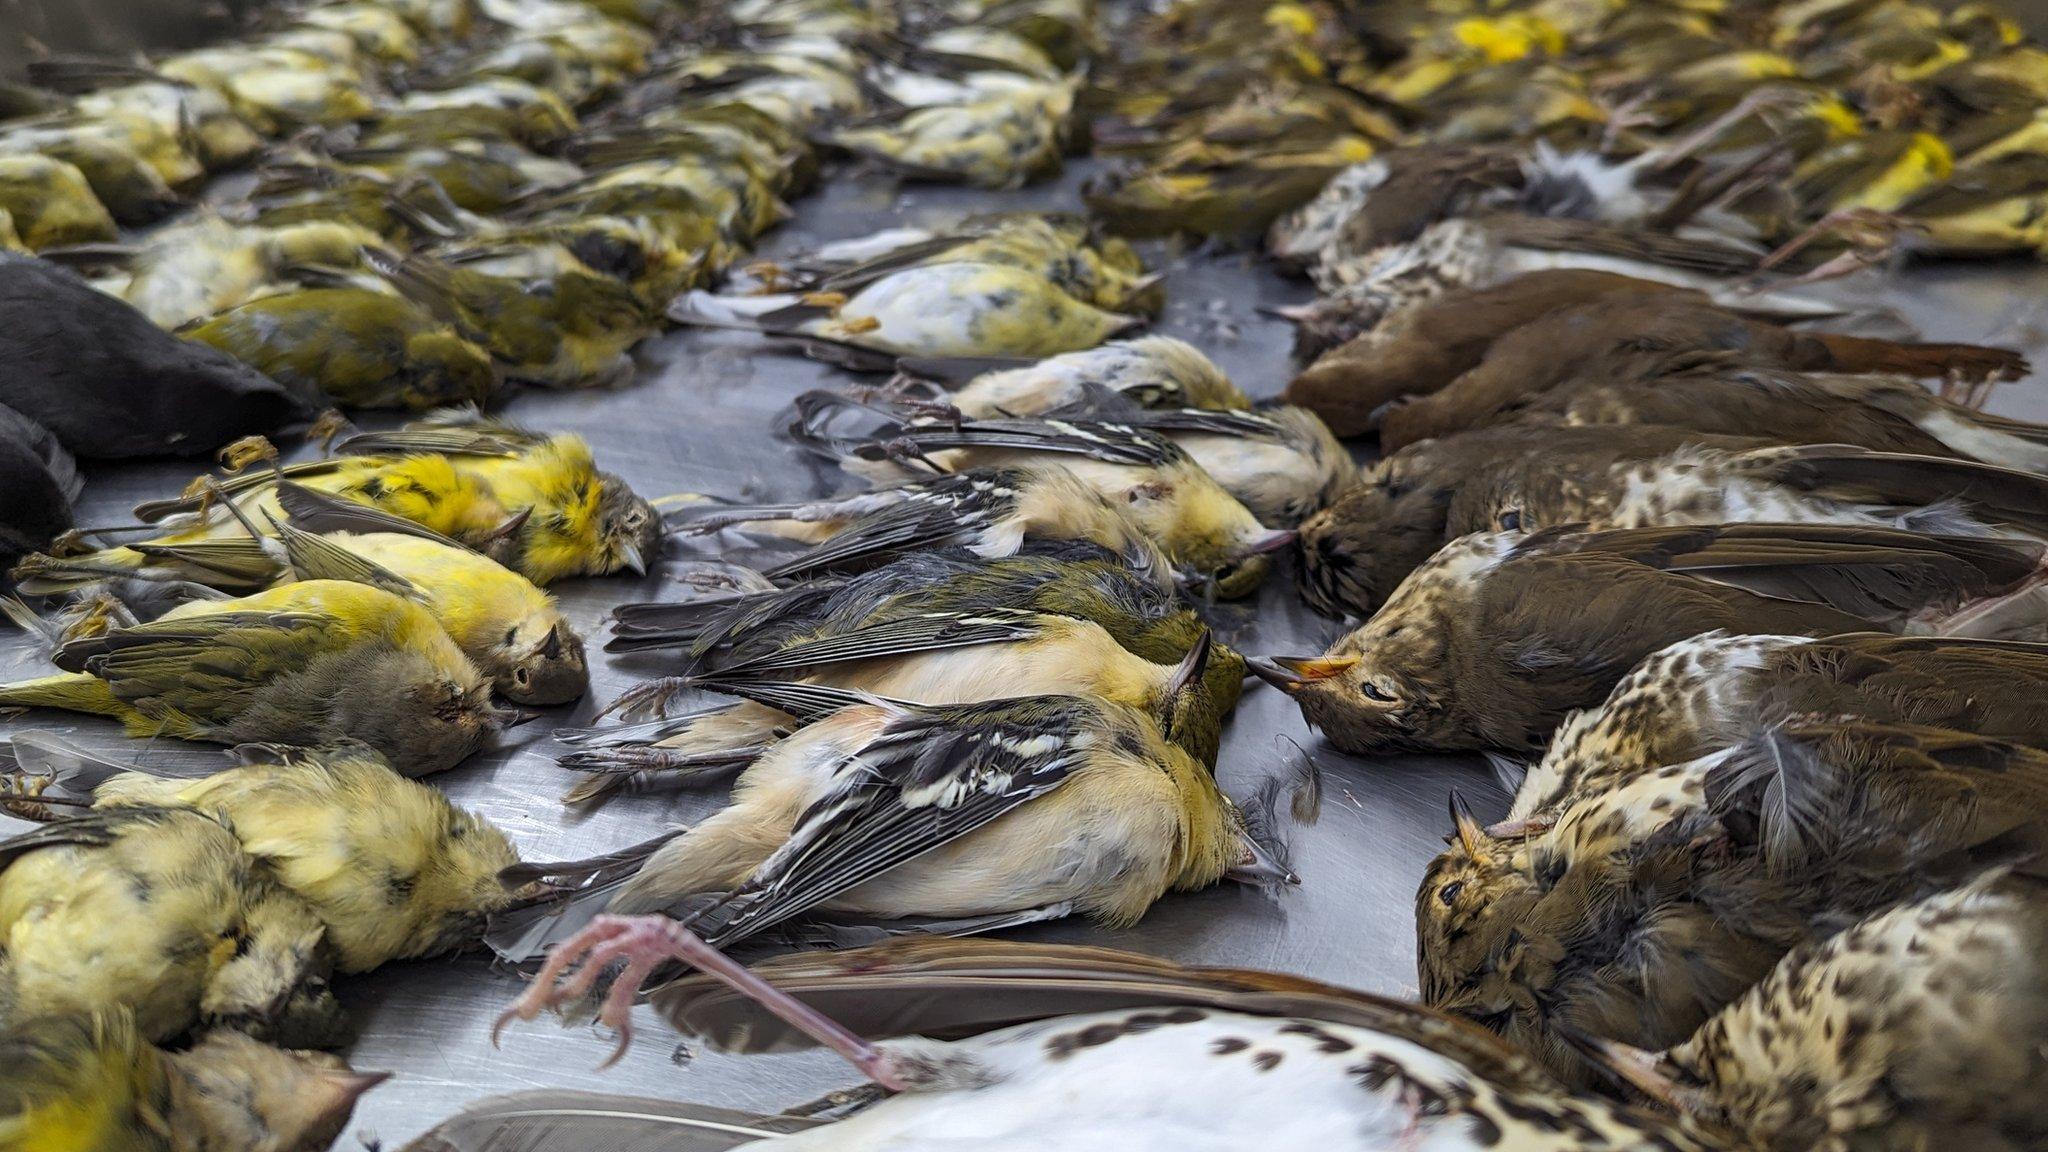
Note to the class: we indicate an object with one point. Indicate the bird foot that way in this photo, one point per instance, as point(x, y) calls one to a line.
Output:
point(647, 942)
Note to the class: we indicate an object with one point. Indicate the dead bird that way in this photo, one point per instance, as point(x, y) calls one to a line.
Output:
point(1627, 336)
point(931, 628)
point(989, 511)
point(1205, 530)
point(1082, 1037)
point(1153, 371)
point(1792, 834)
point(997, 812)
point(1721, 395)
point(1905, 1030)
point(1526, 476)
point(1492, 641)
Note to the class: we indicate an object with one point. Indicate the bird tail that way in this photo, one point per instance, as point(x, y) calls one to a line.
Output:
point(70, 691)
point(683, 751)
point(1931, 361)
point(40, 574)
point(746, 313)
point(554, 1120)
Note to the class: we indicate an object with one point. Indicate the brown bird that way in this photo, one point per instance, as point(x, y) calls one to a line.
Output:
point(1615, 773)
point(1530, 476)
point(1424, 348)
point(1783, 838)
point(1721, 395)
point(1003, 1045)
point(1918, 1028)
point(1474, 252)
point(1627, 336)
point(1492, 641)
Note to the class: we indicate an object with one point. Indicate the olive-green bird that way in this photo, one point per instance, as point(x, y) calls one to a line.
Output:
point(508, 627)
point(932, 627)
point(90, 1082)
point(52, 203)
point(305, 663)
point(362, 349)
point(158, 912)
point(390, 868)
point(570, 332)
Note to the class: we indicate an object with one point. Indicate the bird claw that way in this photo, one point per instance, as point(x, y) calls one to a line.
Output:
point(644, 942)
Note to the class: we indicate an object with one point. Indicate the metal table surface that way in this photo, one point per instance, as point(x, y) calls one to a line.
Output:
point(700, 418)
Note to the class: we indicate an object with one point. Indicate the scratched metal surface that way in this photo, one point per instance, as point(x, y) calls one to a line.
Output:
point(700, 418)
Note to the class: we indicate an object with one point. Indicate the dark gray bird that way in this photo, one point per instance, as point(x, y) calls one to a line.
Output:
point(109, 383)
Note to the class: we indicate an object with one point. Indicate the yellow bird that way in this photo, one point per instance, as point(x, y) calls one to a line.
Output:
point(537, 504)
point(157, 912)
point(510, 629)
point(89, 1082)
point(387, 864)
point(306, 663)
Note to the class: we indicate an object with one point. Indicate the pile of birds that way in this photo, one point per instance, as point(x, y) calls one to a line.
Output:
point(1748, 617)
point(448, 198)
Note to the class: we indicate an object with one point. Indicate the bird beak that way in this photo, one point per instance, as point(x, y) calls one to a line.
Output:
point(1293, 673)
point(1269, 541)
point(631, 560)
point(1639, 1068)
point(1521, 829)
point(1258, 867)
point(1470, 834)
point(1192, 667)
point(339, 1092)
point(504, 718)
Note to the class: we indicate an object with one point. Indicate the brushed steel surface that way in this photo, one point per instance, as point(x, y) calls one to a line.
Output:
point(700, 419)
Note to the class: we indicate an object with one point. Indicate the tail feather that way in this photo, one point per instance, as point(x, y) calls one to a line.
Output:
point(1934, 361)
point(70, 691)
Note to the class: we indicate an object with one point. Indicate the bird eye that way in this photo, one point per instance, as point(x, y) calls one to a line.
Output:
point(520, 676)
point(1449, 892)
point(1373, 691)
point(1511, 520)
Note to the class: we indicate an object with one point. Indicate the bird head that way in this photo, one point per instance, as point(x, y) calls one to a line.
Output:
point(628, 526)
point(543, 662)
point(1361, 699)
point(1471, 895)
point(434, 723)
point(236, 1092)
point(456, 888)
point(1357, 551)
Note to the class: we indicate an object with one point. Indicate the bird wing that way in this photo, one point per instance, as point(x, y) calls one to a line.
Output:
point(478, 438)
point(1869, 572)
point(1117, 443)
point(929, 777)
point(932, 514)
point(948, 989)
point(90, 829)
point(901, 636)
point(1850, 795)
point(316, 511)
point(1907, 479)
point(315, 557)
point(205, 667)
point(235, 563)
point(554, 1120)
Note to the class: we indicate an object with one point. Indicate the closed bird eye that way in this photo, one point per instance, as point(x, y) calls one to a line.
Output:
point(1511, 520)
point(1373, 691)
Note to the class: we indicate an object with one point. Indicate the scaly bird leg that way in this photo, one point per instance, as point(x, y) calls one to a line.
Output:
point(646, 943)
